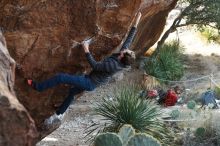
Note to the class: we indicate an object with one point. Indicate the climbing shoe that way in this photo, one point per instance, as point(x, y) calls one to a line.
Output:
point(53, 119)
point(31, 83)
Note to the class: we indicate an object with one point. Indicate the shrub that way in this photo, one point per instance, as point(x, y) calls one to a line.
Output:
point(127, 108)
point(217, 92)
point(167, 64)
point(210, 34)
point(205, 135)
point(203, 130)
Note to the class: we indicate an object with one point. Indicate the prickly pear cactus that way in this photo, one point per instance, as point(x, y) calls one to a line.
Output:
point(125, 137)
point(191, 104)
point(108, 139)
point(200, 132)
point(143, 140)
point(125, 133)
point(175, 114)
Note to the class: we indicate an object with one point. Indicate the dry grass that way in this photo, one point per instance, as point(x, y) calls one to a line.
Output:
point(188, 122)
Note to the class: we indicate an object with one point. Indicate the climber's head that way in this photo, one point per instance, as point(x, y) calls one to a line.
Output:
point(127, 57)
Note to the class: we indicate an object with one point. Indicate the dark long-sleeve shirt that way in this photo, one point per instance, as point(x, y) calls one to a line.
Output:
point(129, 39)
point(103, 70)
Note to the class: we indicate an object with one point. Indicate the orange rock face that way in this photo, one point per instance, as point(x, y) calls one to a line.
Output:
point(43, 37)
point(16, 125)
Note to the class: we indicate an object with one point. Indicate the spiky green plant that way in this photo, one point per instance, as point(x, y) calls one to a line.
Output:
point(211, 34)
point(127, 108)
point(167, 64)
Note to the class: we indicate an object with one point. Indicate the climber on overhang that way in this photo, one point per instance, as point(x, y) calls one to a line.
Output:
point(100, 74)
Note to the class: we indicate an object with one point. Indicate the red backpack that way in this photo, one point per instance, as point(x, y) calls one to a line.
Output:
point(171, 98)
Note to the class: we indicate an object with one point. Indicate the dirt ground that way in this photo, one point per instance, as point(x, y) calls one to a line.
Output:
point(201, 59)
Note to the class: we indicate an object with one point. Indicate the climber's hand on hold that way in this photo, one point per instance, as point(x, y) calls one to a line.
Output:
point(138, 19)
point(85, 46)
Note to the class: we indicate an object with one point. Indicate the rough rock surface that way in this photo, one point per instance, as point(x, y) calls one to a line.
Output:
point(16, 125)
point(43, 37)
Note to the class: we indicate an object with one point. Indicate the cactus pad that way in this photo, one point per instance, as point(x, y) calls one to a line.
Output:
point(175, 114)
point(126, 132)
point(200, 132)
point(108, 139)
point(143, 140)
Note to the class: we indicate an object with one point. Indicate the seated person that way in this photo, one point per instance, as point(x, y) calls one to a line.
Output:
point(170, 97)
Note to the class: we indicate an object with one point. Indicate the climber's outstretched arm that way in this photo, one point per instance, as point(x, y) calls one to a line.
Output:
point(106, 66)
point(131, 34)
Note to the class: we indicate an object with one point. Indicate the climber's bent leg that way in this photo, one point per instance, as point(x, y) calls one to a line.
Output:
point(80, 83)
point(72, 92)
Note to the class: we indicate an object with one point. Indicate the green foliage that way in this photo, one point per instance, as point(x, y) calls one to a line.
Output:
point(167, 64)
point(210, 34)
point(143, 140)
point(175, 114)
point(108, 139)
point(200, 132)
point(194, 12)
point(217, 91)
point(129, 137)
point(202, 13)
point(127, 108)
point(191, 104)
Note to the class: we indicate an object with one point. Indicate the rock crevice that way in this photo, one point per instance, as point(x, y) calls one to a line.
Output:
point(17, 127)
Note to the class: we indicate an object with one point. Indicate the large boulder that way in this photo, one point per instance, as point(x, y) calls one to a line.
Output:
point(17, 128)
point(43, 37)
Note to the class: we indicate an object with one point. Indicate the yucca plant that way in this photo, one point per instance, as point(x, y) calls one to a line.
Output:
point(167, 64)
point(127, 108)
point(217, 92)
point(211, 34)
